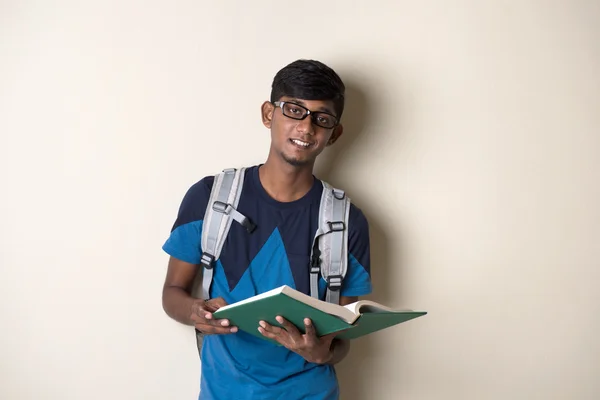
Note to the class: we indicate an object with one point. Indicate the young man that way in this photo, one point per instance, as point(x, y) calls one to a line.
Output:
point(282, 198)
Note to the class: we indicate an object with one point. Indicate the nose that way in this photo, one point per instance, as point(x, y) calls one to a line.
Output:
point(305, 125)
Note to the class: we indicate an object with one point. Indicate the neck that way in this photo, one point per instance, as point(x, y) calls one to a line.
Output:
point(285, 182)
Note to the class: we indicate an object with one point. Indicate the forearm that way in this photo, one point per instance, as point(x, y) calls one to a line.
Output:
point(340, 349)
point(177, 303)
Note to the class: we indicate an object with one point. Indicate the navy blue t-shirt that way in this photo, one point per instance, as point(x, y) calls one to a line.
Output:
point(240, 366)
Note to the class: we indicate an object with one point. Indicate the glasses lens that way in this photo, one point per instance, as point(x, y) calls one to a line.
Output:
point(294, 111)
point(324, 120)
point(321, 119)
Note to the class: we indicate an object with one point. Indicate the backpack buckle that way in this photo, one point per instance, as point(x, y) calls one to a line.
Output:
point(221, 207)
point(338, 194)
point(208, 260)
point(249, 225)
point(336, 226)
point(334, 282)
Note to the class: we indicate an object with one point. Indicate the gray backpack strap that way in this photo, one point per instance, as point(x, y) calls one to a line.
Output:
point(220, 212)
point(330, 247)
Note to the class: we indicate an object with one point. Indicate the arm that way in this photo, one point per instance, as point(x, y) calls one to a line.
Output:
point(182, 246)
point(176, 299)
point(179, 305)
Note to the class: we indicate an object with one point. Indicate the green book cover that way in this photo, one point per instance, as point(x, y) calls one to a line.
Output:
point(356, 319)
point(375, 321)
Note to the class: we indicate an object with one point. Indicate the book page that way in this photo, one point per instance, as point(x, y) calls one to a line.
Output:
point(264, 295)
point(369, 306)
point(333, 309)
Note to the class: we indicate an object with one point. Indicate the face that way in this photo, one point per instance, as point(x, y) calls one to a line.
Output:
point(299, 142)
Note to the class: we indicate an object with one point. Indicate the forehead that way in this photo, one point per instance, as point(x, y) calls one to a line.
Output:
point(313, 105)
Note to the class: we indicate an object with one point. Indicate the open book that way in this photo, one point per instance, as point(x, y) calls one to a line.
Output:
point(355, 320)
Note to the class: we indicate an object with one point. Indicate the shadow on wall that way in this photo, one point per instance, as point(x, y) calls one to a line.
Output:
point(359, 111)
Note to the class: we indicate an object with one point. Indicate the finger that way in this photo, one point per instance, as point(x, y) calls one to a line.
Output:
point(214, 323)
point(290, 328)
point(200, 309)
point(267, 333)
point(275, 330)
point(278, 337)
point(311, 332)
point(207, 318)
point(213, 330)
point(215, 304)
point(216, 330)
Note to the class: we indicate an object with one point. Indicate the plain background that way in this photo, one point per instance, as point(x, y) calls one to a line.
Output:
point(472, 144)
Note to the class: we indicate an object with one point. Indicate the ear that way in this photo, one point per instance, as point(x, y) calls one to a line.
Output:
point(335, 135)
point(267, 110)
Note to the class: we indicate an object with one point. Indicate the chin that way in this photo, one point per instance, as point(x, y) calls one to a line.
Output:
point(296, 162)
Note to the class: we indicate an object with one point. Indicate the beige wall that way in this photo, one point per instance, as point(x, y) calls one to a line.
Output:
point(472, 144)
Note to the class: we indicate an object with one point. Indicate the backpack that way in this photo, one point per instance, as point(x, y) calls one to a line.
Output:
point(329, 253)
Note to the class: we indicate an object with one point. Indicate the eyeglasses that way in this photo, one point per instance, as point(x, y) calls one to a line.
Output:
point(296, 111)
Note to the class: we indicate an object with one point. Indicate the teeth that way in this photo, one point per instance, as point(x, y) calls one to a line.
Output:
point(300, 143)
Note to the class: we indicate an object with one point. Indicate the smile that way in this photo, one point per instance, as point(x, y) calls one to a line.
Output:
point(300, 143)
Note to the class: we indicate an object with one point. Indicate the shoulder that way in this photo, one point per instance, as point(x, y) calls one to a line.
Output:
point(198, 193)
point(359, 247)
point(357, 216)
point(357, 221)
point(200, 190)
point(194, 202)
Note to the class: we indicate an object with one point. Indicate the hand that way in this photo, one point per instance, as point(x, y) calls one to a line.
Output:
point(309, 346)
point(203, 319)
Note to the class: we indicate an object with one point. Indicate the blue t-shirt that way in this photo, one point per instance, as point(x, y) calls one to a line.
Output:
point(240, 366)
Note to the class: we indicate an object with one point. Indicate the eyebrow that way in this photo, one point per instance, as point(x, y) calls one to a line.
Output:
point(322, 109)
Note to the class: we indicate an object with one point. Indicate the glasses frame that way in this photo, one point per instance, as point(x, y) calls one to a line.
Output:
point(313, 114)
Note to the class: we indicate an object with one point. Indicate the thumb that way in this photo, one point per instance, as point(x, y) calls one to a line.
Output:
point(329, 337)
point(333, 335)
point(215, 304)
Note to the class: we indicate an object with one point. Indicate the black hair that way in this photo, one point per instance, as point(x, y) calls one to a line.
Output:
point(309, 80)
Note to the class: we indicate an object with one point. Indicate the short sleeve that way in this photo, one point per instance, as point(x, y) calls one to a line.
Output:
point(183, 242)
point(358, 277)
